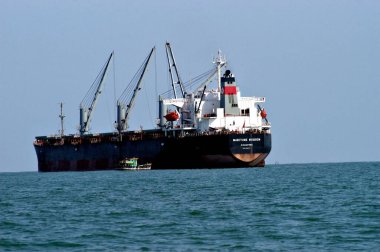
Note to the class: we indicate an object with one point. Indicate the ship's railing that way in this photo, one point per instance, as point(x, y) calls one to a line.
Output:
point(136, 136)
point(226, 132)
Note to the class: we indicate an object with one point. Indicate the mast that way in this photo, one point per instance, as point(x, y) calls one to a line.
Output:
point(172, 64)
point(61, 116)
point(123, 110)
point(220, 62)
point(88, 103)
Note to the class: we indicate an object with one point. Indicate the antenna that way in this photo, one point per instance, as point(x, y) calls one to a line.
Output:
point(62, 116)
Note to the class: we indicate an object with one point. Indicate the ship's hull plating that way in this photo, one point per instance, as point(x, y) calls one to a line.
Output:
point(199, 151)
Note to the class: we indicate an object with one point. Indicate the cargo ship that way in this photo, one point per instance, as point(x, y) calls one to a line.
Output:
point(206, 127)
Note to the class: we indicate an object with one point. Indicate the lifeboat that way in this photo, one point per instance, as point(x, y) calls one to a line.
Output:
point(263, 114)
point(172, 116)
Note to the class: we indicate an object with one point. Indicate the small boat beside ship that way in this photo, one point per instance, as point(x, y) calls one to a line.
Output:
point(201, 127)
point(131, 164)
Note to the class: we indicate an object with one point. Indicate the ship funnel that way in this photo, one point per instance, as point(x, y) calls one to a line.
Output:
point(229, 100)
point(227, 73)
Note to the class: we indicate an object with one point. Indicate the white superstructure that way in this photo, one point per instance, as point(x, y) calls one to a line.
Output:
point(222, 109)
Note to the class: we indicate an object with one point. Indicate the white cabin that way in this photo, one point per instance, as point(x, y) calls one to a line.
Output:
point(222, 109)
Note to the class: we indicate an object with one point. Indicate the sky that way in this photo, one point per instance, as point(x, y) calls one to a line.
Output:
point(316, 62)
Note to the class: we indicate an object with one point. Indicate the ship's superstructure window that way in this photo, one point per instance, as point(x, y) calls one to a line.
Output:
point(245, 112)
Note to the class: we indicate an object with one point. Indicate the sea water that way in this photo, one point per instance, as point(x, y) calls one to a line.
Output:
point(308, 207)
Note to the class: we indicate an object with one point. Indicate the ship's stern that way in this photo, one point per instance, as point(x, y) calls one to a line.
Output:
point(250, 149)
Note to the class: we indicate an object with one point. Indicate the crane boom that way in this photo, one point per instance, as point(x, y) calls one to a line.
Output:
point(123, 110)
point(88, 103)
point(172, 64)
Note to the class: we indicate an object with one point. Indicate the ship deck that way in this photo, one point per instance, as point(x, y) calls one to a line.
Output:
point(75, 139)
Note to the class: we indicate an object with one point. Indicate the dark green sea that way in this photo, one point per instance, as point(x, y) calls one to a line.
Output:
point(303, 207)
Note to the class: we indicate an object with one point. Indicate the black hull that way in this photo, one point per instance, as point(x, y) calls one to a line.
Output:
point(163, 152)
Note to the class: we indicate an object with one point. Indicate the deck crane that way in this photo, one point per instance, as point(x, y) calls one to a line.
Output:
point(87, 106)
point(172, 65)
point(130, 94)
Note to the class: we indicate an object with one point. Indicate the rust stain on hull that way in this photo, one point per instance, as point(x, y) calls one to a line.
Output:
point(253, 159)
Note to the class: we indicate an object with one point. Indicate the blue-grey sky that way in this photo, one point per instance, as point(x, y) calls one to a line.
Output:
point(316, 62)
